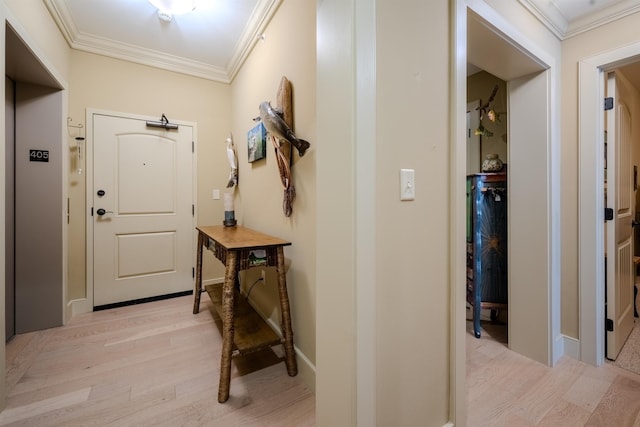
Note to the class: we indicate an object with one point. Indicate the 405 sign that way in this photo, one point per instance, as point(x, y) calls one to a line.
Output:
point(38, 155)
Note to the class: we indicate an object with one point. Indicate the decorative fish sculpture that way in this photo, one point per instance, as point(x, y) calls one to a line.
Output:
point(233, 162)
point(277, 127)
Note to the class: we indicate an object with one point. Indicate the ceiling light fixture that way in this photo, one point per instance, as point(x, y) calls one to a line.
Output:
point(168, 8)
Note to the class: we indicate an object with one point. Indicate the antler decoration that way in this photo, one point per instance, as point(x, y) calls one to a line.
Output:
point(488, 110)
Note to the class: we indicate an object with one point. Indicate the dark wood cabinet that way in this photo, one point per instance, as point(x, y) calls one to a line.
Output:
point(487, 264)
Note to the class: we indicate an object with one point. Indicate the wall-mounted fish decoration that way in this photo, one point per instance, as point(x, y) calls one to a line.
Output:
point(277, 127)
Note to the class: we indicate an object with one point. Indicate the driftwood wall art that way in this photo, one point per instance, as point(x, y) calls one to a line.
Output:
point(279, 123)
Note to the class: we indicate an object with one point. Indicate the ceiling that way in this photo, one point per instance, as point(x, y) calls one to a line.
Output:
point(566, 18)
point(214, 40)
point(211, 42)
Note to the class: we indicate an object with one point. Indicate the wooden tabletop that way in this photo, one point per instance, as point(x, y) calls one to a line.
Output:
point(239, 237)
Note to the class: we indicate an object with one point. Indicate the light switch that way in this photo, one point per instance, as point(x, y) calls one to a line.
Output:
point(407, 184)
point(216, 194)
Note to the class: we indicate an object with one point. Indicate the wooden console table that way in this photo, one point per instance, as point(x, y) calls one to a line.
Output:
point(236, 247)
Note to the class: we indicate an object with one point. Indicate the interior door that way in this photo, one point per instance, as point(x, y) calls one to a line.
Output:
point(619, 231)
point(143, 218)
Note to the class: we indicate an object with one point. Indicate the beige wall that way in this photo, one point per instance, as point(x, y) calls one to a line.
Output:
point(608, 37)
point(479, 87)
point(47, 40)
point(288, 50)
point(109, 84)
point(335, 248)
point(634, 93)
point(412, 238)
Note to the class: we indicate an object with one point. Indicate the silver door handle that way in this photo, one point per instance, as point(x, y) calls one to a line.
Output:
point(101, 212)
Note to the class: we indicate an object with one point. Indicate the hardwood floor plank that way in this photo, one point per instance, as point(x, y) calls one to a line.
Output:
point(565, 414)
point(507, 389)
point(620, 406)
point(586, 392)
point(21, 352)
point(18, 413)
point(150, 364)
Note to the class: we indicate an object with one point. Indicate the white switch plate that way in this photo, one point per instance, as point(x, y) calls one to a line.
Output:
point(407, 184)
point(216, 194)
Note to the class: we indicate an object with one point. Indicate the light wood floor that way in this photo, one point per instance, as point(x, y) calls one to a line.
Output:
point(506, 389)
point(153, 364)
point(157, 364)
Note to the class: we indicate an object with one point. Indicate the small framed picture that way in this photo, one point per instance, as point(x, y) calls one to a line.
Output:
point(257, 143)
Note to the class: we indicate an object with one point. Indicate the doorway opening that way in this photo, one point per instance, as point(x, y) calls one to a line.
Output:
point(487, 206)
point(591, 252)
point(622, 199)
point(497, 48)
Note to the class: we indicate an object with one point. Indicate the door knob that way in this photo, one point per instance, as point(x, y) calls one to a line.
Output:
point(634, 223)
point(101, 212)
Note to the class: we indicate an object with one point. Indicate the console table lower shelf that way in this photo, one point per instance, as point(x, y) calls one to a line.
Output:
point(252, 333)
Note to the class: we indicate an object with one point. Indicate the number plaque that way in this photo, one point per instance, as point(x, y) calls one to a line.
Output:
point(39, 155)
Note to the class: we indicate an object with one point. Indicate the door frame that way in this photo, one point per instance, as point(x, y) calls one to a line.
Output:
point(591, 201)
point(512, 35)
point(86, 305)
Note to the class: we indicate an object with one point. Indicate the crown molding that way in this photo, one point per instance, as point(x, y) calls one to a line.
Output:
point(602, 17)
point(260, 18)
point(263, 13)
point(149, 57)
point(552, 18)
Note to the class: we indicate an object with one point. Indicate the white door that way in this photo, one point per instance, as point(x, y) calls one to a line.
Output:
point(619, 231)
point(142, 179)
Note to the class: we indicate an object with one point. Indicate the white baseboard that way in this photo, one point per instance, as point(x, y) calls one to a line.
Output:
point(306, 368)
point(83, 305)
point(571, 347)
point(78, 306)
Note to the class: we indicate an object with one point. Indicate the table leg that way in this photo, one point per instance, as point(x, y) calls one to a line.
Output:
point(227, 326)
point(289, 352)
point(477, 305)
point(198, 285)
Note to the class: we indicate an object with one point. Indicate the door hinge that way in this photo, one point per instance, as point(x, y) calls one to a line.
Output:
point(608, 104)
point(608, 324)
point(608, 214)
point(193, 210)
point(193, 146)
point(193, 272)
point(91, 210)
